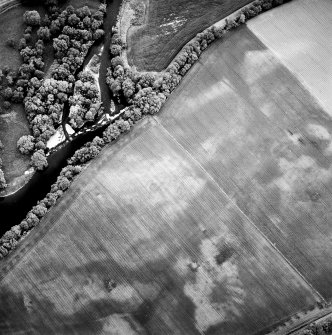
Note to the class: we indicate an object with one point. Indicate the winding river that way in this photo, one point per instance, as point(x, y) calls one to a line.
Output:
point(14, 208)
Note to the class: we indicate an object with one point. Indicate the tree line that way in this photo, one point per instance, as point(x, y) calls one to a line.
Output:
point(320, 328)
point(145, 94)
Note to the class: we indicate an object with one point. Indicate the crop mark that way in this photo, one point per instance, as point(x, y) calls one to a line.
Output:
point(240, 210)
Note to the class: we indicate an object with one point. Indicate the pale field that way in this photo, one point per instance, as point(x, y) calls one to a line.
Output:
point(139, 215)
point(299, 33)
point(267, 143)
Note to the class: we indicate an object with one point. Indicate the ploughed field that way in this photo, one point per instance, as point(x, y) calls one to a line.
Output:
point(307, 49)
point(210, 218)
point(168, 25)
point(139, 216)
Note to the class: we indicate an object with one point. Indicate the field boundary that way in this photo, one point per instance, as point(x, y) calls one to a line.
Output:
point(293, 329)
point(322, 299)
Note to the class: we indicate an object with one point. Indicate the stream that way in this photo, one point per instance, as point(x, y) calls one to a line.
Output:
point(14, 208)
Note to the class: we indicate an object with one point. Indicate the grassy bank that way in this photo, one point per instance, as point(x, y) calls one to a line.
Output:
point(169, 25)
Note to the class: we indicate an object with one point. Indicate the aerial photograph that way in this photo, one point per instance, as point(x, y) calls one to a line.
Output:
point(165, 167)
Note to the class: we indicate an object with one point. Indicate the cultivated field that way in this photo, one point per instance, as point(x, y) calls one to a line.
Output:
point(300, 34)
point(266, 142)
point(171, 24)
point(139, 215)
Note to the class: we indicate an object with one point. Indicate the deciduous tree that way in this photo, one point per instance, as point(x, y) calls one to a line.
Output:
point(38, 160)
point(26, 144)
point(32, 18)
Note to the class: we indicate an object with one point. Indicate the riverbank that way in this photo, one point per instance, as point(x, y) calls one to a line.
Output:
point(133, 114)
point(15, 205)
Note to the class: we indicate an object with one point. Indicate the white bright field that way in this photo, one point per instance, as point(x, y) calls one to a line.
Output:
point(300, 34)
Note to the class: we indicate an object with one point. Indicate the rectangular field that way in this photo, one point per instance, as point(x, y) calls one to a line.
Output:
point(263, 138)
point(184, 259)
point(300, 34)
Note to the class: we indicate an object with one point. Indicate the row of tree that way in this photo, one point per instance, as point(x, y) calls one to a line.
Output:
point(10, 239)
point(145, 93)
point(320, 328)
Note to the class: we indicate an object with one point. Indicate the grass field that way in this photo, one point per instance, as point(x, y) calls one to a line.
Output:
point(170, 25)
point(306, 52)
point(139, 215)
point(13, 125)
point(266, 142)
